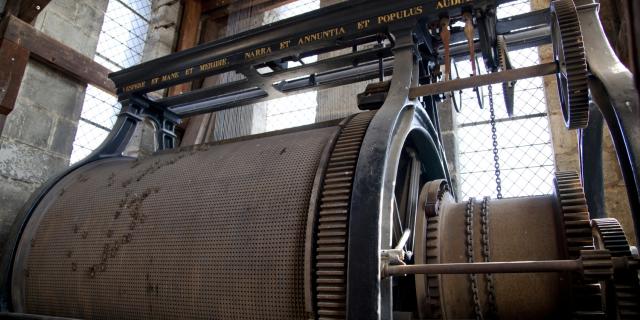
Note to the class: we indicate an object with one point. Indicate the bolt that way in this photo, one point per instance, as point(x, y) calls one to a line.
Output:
point(38, 8)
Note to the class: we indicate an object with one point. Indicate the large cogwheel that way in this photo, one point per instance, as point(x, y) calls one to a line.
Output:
point(568, 49)
point(586, 301)
point(331, 241)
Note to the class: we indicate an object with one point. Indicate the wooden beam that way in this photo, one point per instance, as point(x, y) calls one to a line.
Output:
point(57, 55)
point(188, 36)
point(29, 10)
point(13, 61)
point(26, 10)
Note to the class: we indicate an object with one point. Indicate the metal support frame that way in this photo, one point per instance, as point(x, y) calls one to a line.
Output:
point(612, 89)
point(590, 149)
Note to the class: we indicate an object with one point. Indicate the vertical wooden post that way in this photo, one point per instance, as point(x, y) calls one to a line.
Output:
point(188, 36)
point(13, 61)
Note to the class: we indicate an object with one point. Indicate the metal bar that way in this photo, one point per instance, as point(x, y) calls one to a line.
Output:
point(591, 170)
point(486, 267)
point(318, 29)
point(616, 96)
point(483, 80)
point(528, 116)
point(403, 239)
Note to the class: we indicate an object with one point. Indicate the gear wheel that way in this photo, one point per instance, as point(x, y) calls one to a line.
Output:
point(586, 300)
point(626, 290)
point(433, 256)
point(330, 262)
point(597, 264)
point(609, 235)
point(432, 195)
point(508, 88)
point(568, 49)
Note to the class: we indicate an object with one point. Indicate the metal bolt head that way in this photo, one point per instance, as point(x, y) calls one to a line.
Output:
point(38, 8)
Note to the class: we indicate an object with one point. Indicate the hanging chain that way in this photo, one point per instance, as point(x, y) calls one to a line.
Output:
point(491, 291)
point(494, 137)
point(469, 244)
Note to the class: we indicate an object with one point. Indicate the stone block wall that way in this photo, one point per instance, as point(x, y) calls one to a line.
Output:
point(37, 139)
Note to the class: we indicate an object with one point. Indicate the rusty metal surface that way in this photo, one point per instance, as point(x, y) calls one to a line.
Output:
point(216, 232)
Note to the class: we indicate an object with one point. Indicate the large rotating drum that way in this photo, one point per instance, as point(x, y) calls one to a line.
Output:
point(223, 230)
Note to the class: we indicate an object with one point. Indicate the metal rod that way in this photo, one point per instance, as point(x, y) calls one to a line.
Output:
point(403, 239)
point(483, 80)
point(527, 116)
point(486, 267)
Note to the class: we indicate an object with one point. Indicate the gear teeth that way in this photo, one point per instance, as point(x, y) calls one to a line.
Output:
point(612, 236)
point(586, 300)
point(433, 280)
point(626, 285)
point(596, 264)
point(332, 222)
point(573, 83)
point(507, 87)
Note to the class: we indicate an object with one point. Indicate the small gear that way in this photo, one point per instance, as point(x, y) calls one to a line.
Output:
point(596, 264)
point(568, 49)
point(609, 235)
point(586, 300)
point(626, 290)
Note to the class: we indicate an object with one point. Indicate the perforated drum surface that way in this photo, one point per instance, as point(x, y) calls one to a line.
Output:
point(212, 233)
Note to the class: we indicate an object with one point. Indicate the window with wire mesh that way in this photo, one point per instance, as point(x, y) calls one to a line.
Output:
point(525, 155)
point(120, 45)
point(306, 107)
point(299, 109)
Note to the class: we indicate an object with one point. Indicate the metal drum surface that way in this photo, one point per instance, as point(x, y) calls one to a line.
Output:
point(215, 232)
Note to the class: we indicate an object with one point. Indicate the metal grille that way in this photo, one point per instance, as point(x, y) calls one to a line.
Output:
point(120, 45)
point(524, 141)
point(216, 232)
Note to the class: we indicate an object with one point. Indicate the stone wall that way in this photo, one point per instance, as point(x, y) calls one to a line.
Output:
point(37, 139)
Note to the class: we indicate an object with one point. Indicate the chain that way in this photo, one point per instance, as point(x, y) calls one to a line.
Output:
point(469, 244)
point(491, 291)
point(494, 137)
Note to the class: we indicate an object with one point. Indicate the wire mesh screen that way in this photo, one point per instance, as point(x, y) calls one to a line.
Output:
point(524, 141)
point(120, 45)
